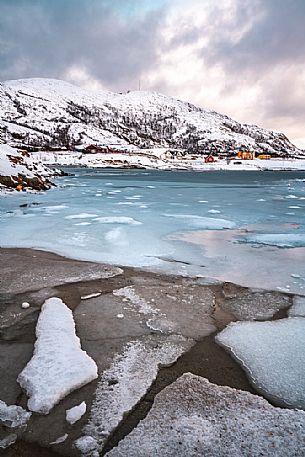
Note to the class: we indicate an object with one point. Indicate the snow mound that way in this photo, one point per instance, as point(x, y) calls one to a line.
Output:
point(273, 355)
point(58, 365)
point(193, 417)
point(13, 416)
point(74, 414)
point(127, 380)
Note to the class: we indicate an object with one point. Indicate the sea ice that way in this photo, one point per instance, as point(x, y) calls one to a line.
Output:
point(13, 416)
point(74, 414)
point(117, 220)
point(8, 440)
point(273, 355)
point(282, 240)
point(61, 439)
point(207, 223)
point(126, 381)
point(81, 216)
point(193, 417)
point(298, 307)
point(58, 365)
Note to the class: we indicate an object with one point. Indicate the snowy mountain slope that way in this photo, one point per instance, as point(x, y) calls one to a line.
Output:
point(45, 112)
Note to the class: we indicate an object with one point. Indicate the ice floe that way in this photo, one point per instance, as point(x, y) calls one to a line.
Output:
point(74, 414)
point(207, 223)
point(117, 220)
point(273, 355)
point(282, 240)
point(81, 216)
point(126, 381)
point(298, 307)
point(193, 417)
point(8, 440)
point(58, 365)
point(61, 439)
point(13, 416)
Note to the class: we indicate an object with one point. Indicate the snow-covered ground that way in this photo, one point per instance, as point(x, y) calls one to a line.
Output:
point(158, 159)
point(58, 365)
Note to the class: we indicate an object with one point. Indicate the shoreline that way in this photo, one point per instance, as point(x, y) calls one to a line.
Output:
point(41, 274)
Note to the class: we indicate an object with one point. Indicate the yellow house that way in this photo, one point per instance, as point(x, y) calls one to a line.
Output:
point(246, 155)
point(264, 156)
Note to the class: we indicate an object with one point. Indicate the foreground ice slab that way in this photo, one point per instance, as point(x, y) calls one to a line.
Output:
point(58, 365)
point(273, 355)
point(124, 384)
point(193, 417)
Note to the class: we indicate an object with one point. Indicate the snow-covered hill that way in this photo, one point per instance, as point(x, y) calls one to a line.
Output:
point(52, 113)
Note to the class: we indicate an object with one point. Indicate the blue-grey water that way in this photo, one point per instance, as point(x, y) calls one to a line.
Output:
point(246, 227)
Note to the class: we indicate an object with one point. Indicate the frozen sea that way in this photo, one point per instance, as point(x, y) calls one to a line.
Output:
point(244, 227)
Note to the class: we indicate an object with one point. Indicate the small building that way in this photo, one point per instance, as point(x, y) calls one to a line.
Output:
point(264, 156)
point(94, 149)
point(209, 159)
point(245, 155)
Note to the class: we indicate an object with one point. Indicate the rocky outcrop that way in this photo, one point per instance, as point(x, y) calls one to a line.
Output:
point(18, 171)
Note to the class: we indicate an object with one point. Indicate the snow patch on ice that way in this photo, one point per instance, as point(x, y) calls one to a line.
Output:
point(141, 305)
point(58, 365)
point(123, 385)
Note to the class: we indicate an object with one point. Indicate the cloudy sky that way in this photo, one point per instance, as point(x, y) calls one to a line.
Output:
point(244, 58)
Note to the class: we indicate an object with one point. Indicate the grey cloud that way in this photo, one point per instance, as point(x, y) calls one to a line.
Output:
point(44, 38)
point(277, 36)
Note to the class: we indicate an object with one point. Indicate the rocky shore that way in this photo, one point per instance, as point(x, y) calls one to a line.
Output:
point(144, 331)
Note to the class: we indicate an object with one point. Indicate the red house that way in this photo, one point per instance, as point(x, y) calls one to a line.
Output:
point(209, 159)
point(94, 149)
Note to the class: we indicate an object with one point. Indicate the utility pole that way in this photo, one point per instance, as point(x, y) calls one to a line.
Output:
point(139, 84)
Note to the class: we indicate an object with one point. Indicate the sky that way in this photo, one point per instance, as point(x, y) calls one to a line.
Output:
point(243, 58)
